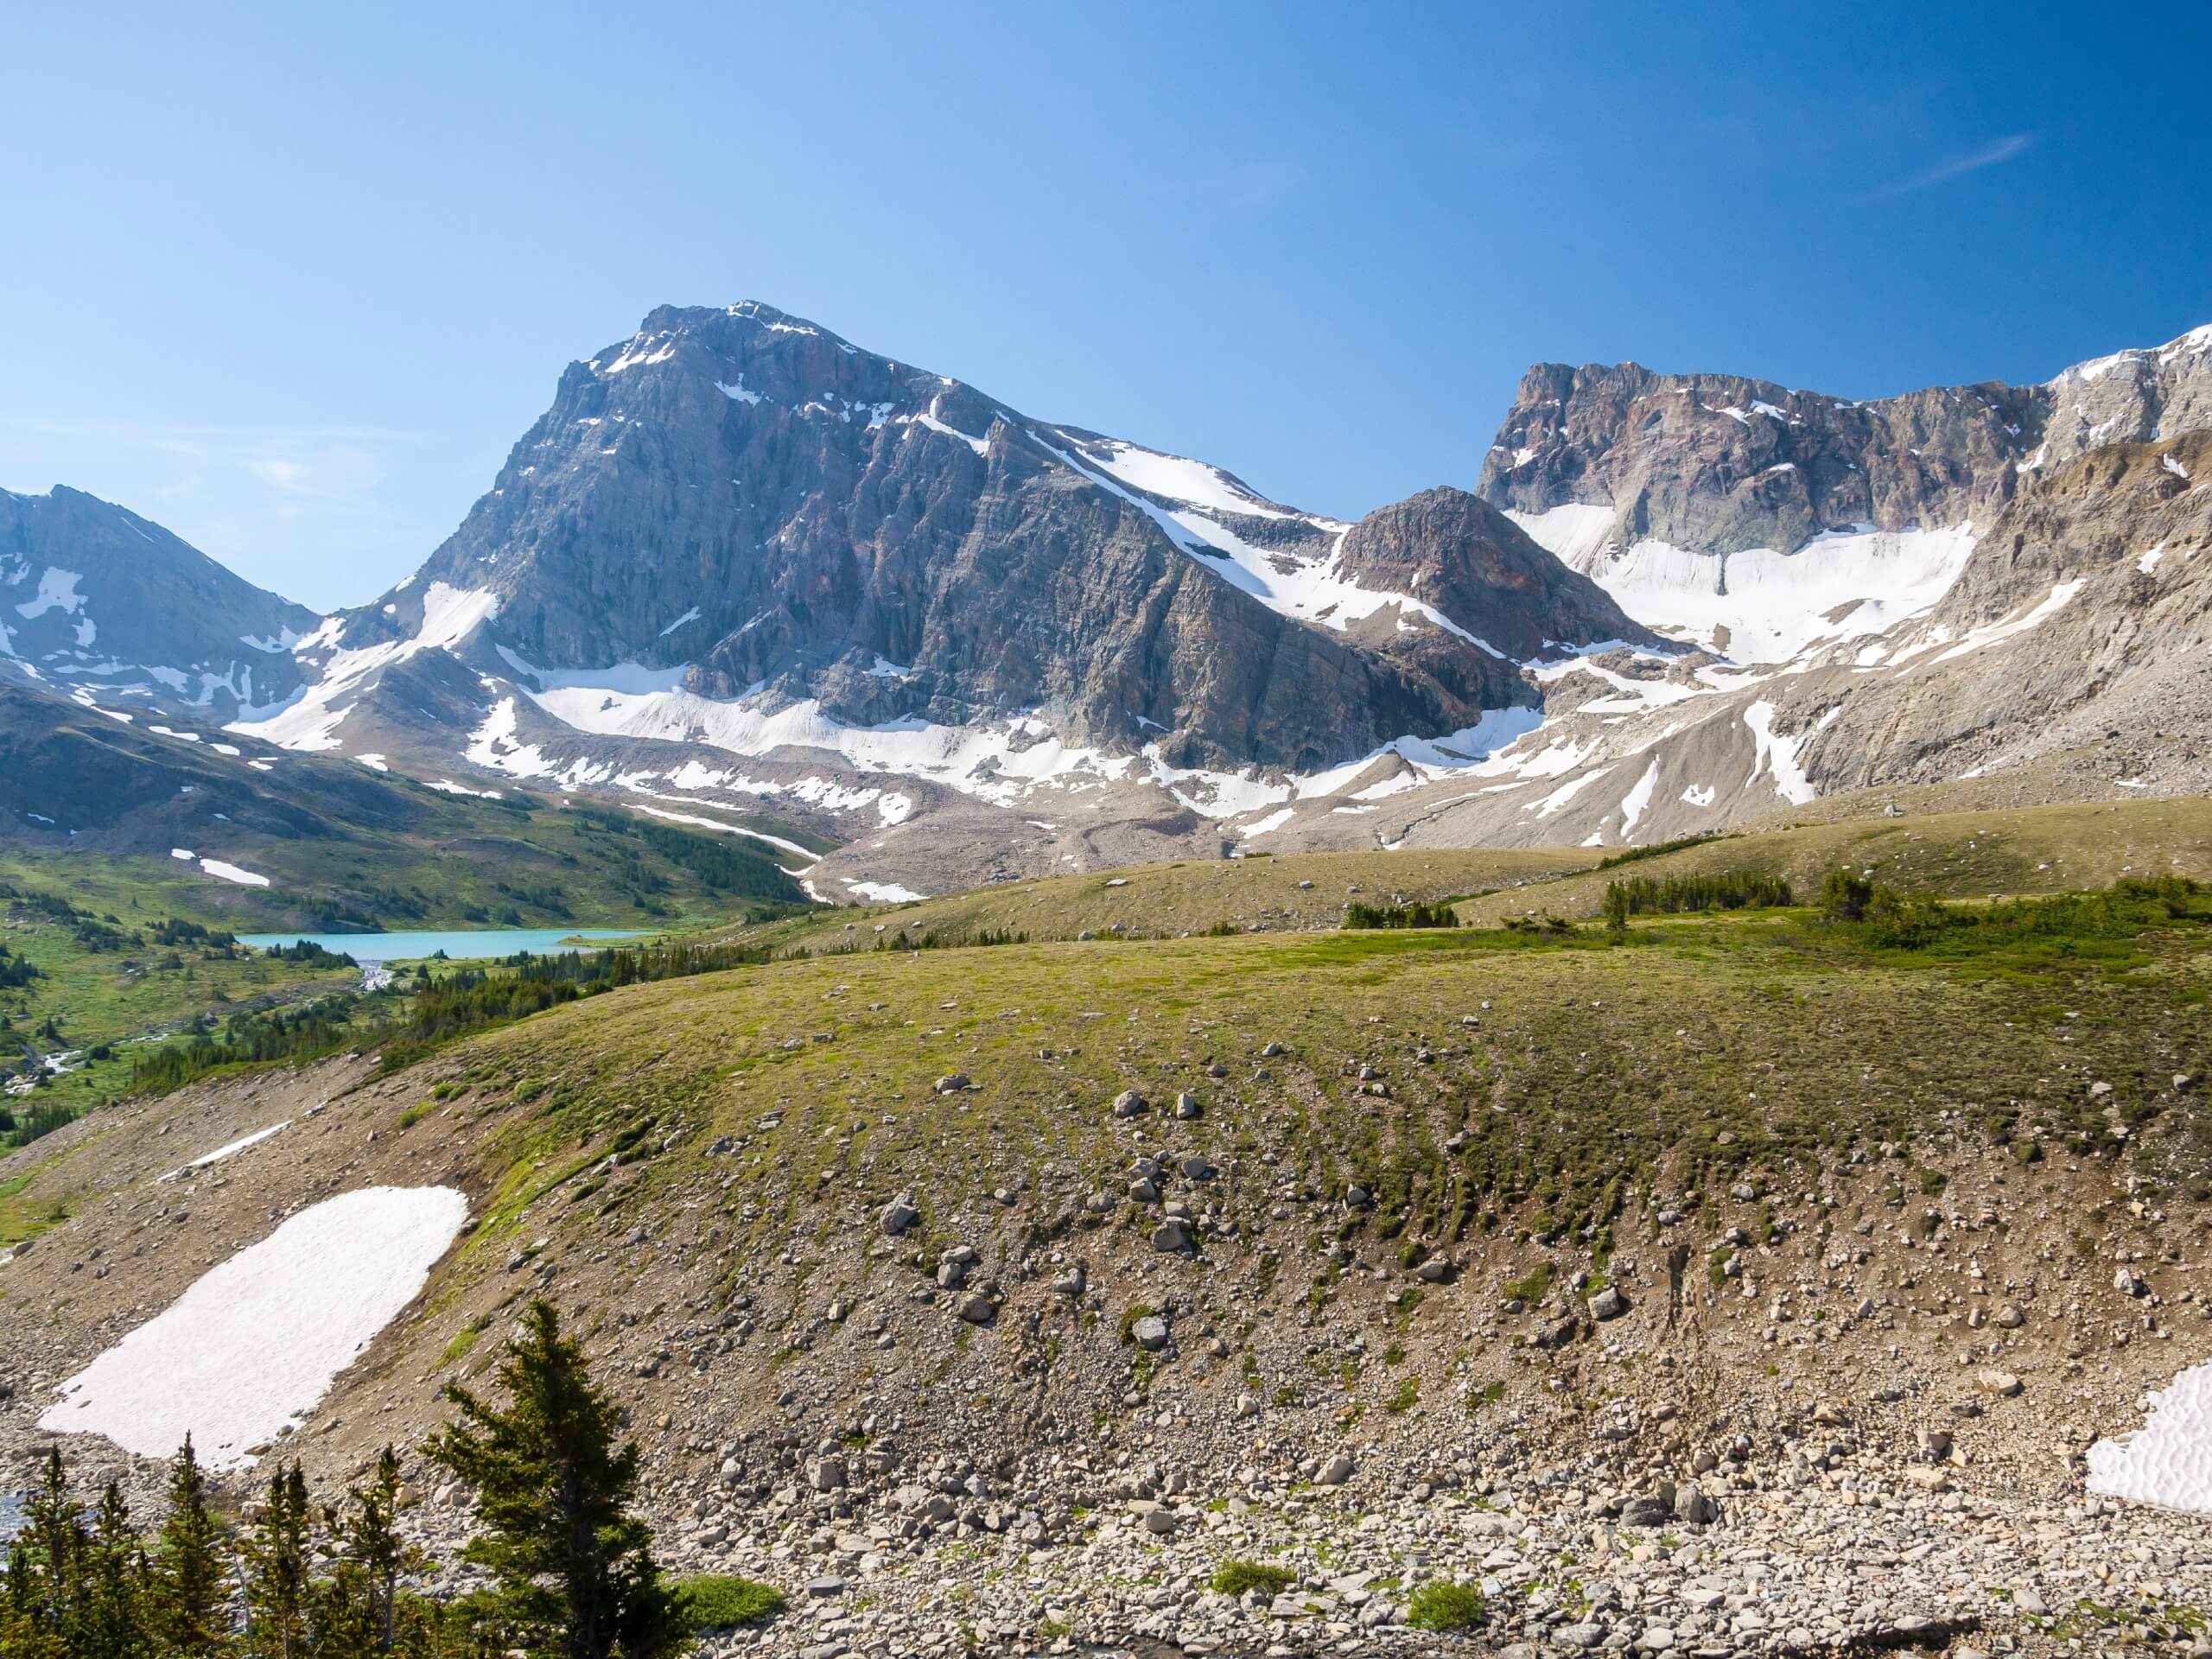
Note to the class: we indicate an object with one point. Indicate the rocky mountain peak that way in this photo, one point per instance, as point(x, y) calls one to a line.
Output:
point(1464, 556)
point(96, 601)
point(736, 506)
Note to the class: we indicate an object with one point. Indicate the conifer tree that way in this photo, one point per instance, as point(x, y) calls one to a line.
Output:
point(372, 1535)
point(26, 1631)
point(357, 1608)
point(575, 1575)
point(191, 1597)
point(276, 1558)
point(48, 1561)
point(107, 1610)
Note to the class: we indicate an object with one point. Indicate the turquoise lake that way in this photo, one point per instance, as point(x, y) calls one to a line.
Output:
point(461, 944)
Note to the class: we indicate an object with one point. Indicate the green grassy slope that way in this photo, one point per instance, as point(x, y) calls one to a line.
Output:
point(1168, 900)
point(1957, 855)
point(1509, 1078)
point(98, 807)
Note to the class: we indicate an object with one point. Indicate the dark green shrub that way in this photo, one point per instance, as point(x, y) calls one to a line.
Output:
point(1236, 1578)
point(1445, 1605)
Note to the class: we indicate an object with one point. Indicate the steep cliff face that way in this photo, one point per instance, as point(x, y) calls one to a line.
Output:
point(2080, 628)
point(97, 600)
point(1613, 455)
point(737, 507)
point(1718, 464)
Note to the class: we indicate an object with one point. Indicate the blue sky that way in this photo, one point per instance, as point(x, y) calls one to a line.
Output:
point(291, 280)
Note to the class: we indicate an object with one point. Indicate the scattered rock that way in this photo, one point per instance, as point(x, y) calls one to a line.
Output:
point(901, 1213)
point(977, 1308)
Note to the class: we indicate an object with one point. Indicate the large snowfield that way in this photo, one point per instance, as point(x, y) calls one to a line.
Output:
point(2169, 1460)
point(255, 1342)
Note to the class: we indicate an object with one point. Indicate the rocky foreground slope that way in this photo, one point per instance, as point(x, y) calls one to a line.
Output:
point(1702, 1301)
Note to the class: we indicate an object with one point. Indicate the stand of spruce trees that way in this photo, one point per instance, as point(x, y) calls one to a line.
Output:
point(572, 1571)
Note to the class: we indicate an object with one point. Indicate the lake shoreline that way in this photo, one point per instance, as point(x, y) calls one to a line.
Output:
point(456, 944)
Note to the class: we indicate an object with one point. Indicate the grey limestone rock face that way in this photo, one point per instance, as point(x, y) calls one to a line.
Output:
point(1719, 463)
point(740, 502)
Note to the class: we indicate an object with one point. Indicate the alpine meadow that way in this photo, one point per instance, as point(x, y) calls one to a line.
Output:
point(673, 982)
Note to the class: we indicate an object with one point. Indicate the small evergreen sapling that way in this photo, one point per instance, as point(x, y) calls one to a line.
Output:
point(278, 1562)
point(573, 1573)
point(191, 1599)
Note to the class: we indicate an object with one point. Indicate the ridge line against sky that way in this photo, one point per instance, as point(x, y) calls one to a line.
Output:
point(293, 285)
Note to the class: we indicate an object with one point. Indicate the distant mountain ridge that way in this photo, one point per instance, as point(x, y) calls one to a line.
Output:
point(743, 564)
point(1722, 464)
point(95, 597)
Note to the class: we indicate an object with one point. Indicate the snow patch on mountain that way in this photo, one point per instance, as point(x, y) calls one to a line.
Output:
point(1763, 606)
point(1776, 755)
point(1176, 477)
point(309, 721)
point(330, 1278)
point(2167, 1461)
point(1000, 762)
point(1313, 591)
point(57, 591)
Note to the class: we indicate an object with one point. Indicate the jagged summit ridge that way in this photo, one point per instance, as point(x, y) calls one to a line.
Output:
point(747, 531)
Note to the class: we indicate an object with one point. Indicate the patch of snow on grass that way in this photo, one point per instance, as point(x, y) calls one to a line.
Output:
point(255, 1343)
point(730, 829)
point(217, 868)
point(884, 892)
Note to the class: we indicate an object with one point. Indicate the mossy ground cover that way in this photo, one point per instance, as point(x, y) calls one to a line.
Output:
point(1705, 1046)
point(1959, 854)
point(23, 1215)
point(1195, 895)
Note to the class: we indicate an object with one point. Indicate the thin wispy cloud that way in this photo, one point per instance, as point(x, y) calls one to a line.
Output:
point(314, 511)
point(1995, 153)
